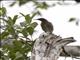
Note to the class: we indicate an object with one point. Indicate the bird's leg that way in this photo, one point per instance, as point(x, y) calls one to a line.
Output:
point(63, 50)
point(66, 53)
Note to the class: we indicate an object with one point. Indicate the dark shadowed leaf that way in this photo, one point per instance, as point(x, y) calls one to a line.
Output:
point(15, 18)
point(2, 11)
point(12, 55)
point(12, 4)
point(30, 30)
point(39, 13)
point(20, 58)
point(22, 14)
point(9, 21)
point(24, 32)
point(34, 24)
point(28, 19)
point(34, 14)
point(3, 19)
point(12, 32)
point(3, 35)
point(72, 19)
point(45, 5)
point(23, 24)
point(22, 2)
point(18, 44)
point(77, 23)
point(42, 5)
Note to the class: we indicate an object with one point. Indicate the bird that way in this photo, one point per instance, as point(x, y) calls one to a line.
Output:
point(46, 25)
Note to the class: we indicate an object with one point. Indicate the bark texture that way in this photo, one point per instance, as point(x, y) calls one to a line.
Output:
point(49, 46)
point(73, 51)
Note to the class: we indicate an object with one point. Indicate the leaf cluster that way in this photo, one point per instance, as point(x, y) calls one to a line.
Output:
point(15, 41)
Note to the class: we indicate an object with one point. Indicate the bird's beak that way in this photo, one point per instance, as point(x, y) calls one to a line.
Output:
point(36, 19)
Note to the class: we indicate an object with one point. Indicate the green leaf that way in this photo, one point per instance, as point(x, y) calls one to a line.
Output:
point(11, 31)
point(12, 55)
point(34, 24)
point(22, 14)
point(3, 20)
point(20, 58)
point(30, 30)
point(24, 32)
point(45, 5)
point(9, 22)
point(3, 35)
point(39, 13)
point(12, 4)
point(2, 11)
point(27, 48)
point(28, 19)
point(18, 44)
point(15, 18)
point(72, 19)
point(6, 46)
point(23, 24)
point(34, 14)
point(22, 2)
point(42, 5)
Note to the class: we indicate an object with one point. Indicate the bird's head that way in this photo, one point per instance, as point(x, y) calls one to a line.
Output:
point(42, 19)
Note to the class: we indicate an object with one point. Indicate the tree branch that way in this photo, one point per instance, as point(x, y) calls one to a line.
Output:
point(71, 50)
point(49, 47)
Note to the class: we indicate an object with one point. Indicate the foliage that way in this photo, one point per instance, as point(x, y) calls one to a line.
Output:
point(15, 43)
point(2, 11)
point(76, 20)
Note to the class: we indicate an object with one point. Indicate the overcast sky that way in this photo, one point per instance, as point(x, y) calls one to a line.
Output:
point(58, 16)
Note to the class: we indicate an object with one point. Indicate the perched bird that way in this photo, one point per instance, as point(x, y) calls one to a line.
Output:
point(46, 25)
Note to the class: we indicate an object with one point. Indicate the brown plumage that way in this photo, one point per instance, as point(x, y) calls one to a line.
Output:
point(46, 26)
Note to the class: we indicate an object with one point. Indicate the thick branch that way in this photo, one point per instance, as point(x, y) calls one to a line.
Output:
point(73, 51)
point(49, 46)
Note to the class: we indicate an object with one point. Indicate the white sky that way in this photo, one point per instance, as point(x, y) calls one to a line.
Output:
point(58, 15)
